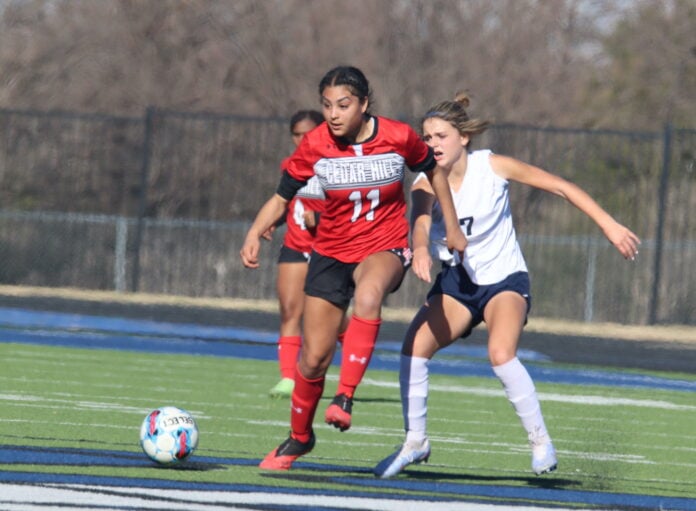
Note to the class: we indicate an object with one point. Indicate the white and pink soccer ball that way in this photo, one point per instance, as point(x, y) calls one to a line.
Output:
point(169, 435)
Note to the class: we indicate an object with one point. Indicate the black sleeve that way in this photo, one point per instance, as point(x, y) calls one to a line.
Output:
point(427, 164)
point(288, 186)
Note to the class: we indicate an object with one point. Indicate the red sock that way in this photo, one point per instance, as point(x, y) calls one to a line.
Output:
point(358, 346)
point(288, 350)
point(305, 399)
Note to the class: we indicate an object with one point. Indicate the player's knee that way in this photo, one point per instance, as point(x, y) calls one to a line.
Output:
point(500, 355)
point(314, 364)
point(367, 303)
point(291, 308)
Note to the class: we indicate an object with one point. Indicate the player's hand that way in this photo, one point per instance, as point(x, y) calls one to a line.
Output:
point(268, 234)
point(422, 263)
point(310, 219)
point(625, 241)
point(457, 242)
point(250, 251)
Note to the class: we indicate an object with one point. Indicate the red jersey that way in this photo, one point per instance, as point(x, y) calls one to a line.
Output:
point(365, 208)
point(309, 197)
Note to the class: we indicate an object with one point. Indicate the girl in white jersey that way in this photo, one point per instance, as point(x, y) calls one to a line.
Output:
point(490, 283)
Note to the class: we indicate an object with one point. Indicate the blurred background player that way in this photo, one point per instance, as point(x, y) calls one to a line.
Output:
point(360, 251)
point(489, 284)
point(301, 220)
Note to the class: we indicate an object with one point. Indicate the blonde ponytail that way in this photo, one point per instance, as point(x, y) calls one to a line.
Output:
point(454, 112)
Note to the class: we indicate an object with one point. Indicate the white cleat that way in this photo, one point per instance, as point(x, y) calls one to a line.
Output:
point(409, 453)
point(543, 458)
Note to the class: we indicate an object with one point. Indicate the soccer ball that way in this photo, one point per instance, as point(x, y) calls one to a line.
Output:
point(168, 435)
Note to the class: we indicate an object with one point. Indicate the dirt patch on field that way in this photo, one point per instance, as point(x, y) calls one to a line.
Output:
point(665, 333)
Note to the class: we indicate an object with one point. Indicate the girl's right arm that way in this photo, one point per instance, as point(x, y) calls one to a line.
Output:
point(456, 241)
point(267, 216)
point(422, 198)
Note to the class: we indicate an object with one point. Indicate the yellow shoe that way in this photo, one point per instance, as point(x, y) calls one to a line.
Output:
point(283, 388)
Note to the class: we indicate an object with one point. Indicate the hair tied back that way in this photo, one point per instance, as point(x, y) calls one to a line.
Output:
point(462, 98)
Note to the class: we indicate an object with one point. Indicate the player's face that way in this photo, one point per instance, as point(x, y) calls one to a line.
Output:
point(343, 111)
point(300, 128)
point(445, 140)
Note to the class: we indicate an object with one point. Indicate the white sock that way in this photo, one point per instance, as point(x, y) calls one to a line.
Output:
point(413, 380)
point(520, 391)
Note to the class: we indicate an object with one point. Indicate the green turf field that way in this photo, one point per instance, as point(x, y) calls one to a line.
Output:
point(609, 439)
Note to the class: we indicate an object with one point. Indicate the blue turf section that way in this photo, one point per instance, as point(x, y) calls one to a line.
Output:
point(104, 332)
point(30, 319)
point(86, 457)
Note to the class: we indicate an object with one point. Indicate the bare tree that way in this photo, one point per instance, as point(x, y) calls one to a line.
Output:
point(648, 75)
point(565, 62)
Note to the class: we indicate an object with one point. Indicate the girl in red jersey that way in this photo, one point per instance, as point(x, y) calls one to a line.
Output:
point(301, 220)
point(360, 251)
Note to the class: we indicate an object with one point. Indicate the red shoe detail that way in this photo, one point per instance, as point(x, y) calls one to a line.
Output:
point(338, 414)
point(273, 462)
point(286, 453)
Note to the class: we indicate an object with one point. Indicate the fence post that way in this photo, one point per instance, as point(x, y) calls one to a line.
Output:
point(120, 254)
point(590, 280)
point(142, 208)
point(661, 212)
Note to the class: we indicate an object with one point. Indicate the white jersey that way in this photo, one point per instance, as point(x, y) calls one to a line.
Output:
point(483, 208)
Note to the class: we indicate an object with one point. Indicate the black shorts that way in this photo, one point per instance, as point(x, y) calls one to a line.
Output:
point(290, 255)
point(332, 280)
point(454, 281)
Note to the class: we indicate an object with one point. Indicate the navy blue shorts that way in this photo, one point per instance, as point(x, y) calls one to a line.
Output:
point(454, 281)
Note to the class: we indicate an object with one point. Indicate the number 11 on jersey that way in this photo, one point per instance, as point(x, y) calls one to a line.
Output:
point(356, 197)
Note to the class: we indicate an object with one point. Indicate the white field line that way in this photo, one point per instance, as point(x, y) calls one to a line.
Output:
point(35, 401)
point(74, 399)
point(545, 396)
point(53, 403)
point(106, 498)
point(110, 400)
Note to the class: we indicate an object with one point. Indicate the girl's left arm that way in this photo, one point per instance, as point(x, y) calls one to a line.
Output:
point(625, 241)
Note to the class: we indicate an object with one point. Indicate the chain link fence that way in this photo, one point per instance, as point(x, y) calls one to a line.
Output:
point(161, 204)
